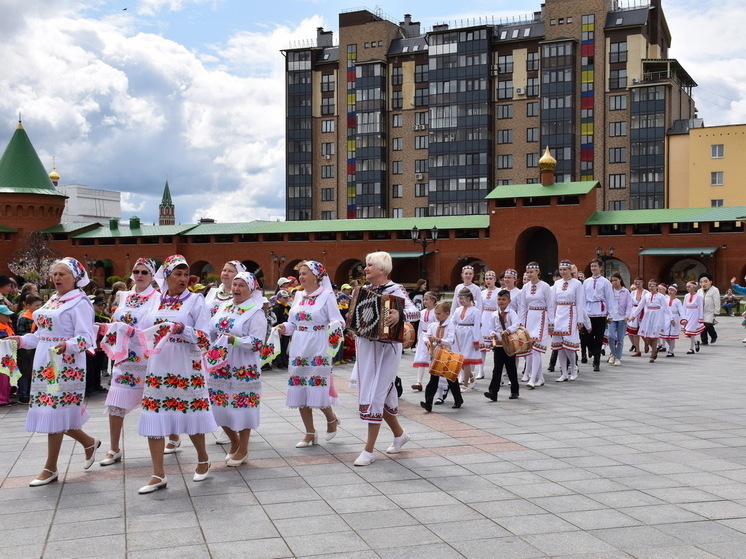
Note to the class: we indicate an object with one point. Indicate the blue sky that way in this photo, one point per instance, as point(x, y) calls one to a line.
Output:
point(192, 90)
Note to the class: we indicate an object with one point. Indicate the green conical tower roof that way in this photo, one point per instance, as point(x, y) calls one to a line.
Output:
point(21, 170)
point(166, 201)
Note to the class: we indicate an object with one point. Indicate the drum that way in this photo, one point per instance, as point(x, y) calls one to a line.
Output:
point(410, 335)
point(446, 363)
point(517, 342)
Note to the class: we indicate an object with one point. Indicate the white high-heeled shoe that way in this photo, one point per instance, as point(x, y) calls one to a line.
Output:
point(145, 489)
point(174, 445)
point(329, 436)
point(113, 459)
point(202, 477)
point(312, 442)
point(236, 463)
point(89, 461)
point(39, 482)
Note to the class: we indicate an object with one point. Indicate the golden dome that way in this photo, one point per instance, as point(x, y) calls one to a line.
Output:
point(547, 161)
point(54, 176)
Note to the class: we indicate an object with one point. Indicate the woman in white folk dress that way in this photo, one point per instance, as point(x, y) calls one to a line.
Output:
point(176, 399)
point(489, 306)
point(569, 316)
point(128, 375)
point(316, 327)
point(65, 325)
point(537, 312)
point(236, 387)
point(221, 294)
point(466, 320)
point(656, 317)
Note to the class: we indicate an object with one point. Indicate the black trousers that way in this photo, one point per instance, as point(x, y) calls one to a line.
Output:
point(709, 330)
point(432, 388)
point(502, 359)
point(596, 338)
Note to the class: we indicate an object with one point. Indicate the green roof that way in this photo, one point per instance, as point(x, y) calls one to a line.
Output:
point(679, 251)
point(166, 201)
point(539, 190)
point(124, 230)
point(21, 169)
point(671, 215)
point(70, 227)
point(6, 229)
point(334, 225)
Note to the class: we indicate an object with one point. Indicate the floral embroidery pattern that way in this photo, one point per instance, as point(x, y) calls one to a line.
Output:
point(246, 372)
point(218, 398)
point(53, 303)
point(160, 333)
point(235, 309)
point(47, 374)
point(256, 344)
point(54, 400)
point(221, 373)
point(44, 321)
point(72, 373)
point(309, 300)
point(317, 361)
point(175, 404)
point(174, 306)
point(267, 350)
point(110, 339)
point(134, 300)
point(196, 365)
point(244, 400)
point(216, 354)
point(128, 318)
point(303, 316)
point(132, 357)
point(303, 381)
point(67, 358)
point(214, 309)
point(7, 362)
point(128, 379)
point(203, 342)
point(225, 324)
point(82, 344)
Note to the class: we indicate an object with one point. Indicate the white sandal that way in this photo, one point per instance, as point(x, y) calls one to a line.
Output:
point(312, 442)
point(174, 445)
point(331, 434)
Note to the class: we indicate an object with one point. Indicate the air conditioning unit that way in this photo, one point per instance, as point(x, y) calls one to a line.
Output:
point(327, 156)
point(520, 91)
point(495, 69)
point(419, 176)
point(417, 127)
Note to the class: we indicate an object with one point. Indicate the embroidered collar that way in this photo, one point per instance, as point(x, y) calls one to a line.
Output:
point(70, 295)
point(172, 299)
point(222, 295)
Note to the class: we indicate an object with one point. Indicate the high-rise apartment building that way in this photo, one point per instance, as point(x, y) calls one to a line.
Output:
point(395, 122)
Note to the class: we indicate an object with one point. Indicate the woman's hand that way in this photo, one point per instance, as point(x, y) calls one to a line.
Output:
point(231, 339)
point(60, 347)
point(392, 319)
point(281, 328)
point(178, 327)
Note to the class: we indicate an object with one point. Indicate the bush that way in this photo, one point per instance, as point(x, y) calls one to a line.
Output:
point(111, 280)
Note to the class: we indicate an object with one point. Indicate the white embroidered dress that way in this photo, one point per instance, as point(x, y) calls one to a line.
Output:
point(310, 364)
point(128, 376)
point(537, 310)
point(489, 306)
point(693, 314)
point(175, 399)
point(677, 311)
point(656, 316)
point(570, 310)
point(57, 399)
point(422, 355)
point(217, 297)
point(467, 330)
point(236, 388)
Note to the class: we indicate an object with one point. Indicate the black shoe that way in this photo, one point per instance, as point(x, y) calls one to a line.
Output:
point(633, 349)
point(512, 396)
point(696, 346)
point(713, 340)
point(670, 355)
point(705, 343)
point(456, 406)
point(690, 352)
point(426, 406)
point(596, 369)
point(550, 369)
point(603, 351)
point(584, 359)
point(492, 396)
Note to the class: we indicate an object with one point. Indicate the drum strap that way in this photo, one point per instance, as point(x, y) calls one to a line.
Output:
point(502, 319)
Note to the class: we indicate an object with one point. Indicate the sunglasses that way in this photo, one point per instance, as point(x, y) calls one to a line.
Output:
point(141, 272)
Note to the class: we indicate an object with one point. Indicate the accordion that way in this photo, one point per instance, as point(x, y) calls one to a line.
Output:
point(368, 312)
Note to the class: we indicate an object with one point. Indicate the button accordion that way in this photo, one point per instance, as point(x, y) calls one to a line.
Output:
point(368, 313)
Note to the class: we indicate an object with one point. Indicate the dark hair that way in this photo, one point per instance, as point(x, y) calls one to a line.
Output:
point(419, 284)
point(465, 292)
point(619, 277)
point(30, 299)
point(431, 294)
point(705, 275)
point(597, 261)
point(503, 293)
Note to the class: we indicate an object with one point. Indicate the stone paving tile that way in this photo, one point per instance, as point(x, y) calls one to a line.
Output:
point(635, 538)
point(110, 546)
point(266, 548)
point(342, 542)
point(177, 552)
point(434, 551)
point(515, 548)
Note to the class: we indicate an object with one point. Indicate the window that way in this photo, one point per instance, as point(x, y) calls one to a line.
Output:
point(327, 126)
point(617, 155)
point(420, 97)
point(617, 181)
point(617, 79)
point(329, 214)
point(327, 106)
point(504, 136)
point(615, 205)
point(618, 128)
point(396, 75)
point(397, 144)
point(397, 99)
point(397, 191)
point(716, 203)
point(397, 121)
point(422, 118)
point(532, 61)
point(505, 111)
point(532, 160)
point(532, 134)
point(420, 73)
point(421, 142)
point(421, 212)
point(397, 213)
point(504, 161)
point(532, 87)
point(327, 148)
point(505, 64)
point(617, 102)
point(717, 151)
point(327, 82)
point(618, 53)
point(532, 109)
point(327, 194)
point(716, 178)
point(505, 89)
point(421, 189)
point(396, 167)
point(327, 171)
point(421, 165)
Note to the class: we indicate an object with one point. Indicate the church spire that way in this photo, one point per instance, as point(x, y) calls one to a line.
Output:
point(166, 211)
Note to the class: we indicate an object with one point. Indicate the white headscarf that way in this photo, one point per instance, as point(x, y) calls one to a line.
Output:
point(168, 266)
point(256, 295)
point(77, 270)
point(149, 263)
point(319, 272)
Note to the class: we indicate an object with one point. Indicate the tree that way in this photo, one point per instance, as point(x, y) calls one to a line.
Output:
point(34, 261)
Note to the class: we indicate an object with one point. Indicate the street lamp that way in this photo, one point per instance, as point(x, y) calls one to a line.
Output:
point(424, 242)
point(278, 261)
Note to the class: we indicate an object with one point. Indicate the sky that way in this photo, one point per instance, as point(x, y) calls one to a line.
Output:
point(127, 94)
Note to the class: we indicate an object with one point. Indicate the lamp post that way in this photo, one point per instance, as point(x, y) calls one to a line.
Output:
point(278, 262)
point(424, 242)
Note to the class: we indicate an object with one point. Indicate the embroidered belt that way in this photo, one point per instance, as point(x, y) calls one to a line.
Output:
point(563, 303)
point(472, 324)
point(653, 308)
point(49, 339)
point(537, 308)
